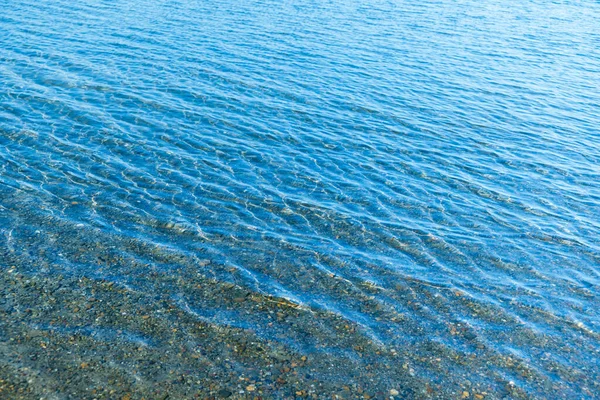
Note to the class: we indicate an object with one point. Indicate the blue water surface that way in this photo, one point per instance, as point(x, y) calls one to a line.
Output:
point(426, 171)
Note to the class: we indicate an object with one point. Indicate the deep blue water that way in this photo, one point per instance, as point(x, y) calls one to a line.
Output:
point(427, 172)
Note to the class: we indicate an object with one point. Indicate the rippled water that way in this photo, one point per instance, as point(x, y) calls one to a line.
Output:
point(300, 198)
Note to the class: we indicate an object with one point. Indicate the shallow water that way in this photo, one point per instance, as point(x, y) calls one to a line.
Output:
point(299, 198)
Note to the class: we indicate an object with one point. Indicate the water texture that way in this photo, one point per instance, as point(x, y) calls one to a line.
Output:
point(299, 198)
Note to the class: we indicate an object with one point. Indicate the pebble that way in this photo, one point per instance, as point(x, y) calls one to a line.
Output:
point(394, 392)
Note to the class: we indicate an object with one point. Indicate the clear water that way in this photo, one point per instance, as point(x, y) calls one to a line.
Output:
point(413, 185)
